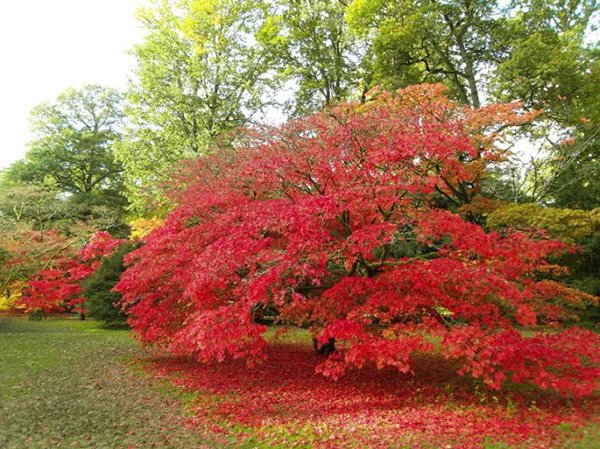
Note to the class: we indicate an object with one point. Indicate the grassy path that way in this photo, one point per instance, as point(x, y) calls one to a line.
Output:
point(69, 384)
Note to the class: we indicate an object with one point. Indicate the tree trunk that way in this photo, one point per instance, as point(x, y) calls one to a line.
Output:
point(325, 349)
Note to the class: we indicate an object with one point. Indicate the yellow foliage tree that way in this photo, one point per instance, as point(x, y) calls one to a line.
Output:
point(10, 295)
point(568, 225)
point(141, 227)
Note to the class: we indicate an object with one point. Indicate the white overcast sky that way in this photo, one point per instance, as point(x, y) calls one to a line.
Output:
point(47, 46)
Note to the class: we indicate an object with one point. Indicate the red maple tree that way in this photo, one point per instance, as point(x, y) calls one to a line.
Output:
point(345, 222)
point(58, 289)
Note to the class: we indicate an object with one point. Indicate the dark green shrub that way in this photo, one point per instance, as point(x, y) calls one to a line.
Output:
point(36, 315)
point(100, 300)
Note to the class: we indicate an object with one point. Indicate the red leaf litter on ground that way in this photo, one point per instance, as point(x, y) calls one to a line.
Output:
point(282, 403)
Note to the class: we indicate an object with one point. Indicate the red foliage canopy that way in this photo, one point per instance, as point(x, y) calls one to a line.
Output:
point(342, 222)
point(59, 289)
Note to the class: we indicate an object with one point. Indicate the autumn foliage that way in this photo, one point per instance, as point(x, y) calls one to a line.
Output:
point(23, 252)
point(344, 222)
point(58, 289)
point(282, 404)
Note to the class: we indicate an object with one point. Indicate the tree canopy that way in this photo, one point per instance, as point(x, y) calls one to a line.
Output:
point(335, 222)
point(72, 152)
point(315, 50)
point(205, 68)
point(200, 73)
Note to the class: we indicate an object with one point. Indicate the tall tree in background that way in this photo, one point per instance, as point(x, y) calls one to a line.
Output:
point(531, 51)
point(550, 67)
point(38, 207)
point(578, 185)
point(548, 58)
point(72, 150)
point(316, 50)
point(199, 75)
point(423, 41)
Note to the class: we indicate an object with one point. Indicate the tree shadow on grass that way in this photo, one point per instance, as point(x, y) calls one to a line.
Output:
point(434, 400)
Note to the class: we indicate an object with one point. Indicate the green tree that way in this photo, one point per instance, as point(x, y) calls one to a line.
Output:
point(317, 52)
point(533, 51)
point(554, 66)
point(100, 300)
point(72, 149)
point(552, 69)
point(200, 74)
point(38, 207)
point(414, 41)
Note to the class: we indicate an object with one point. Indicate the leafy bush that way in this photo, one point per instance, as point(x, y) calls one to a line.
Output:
point(58, 289)
point(100, 300)
point(581, 227)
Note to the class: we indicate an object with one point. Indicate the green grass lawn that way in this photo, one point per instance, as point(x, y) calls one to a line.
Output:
point(71, 384)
